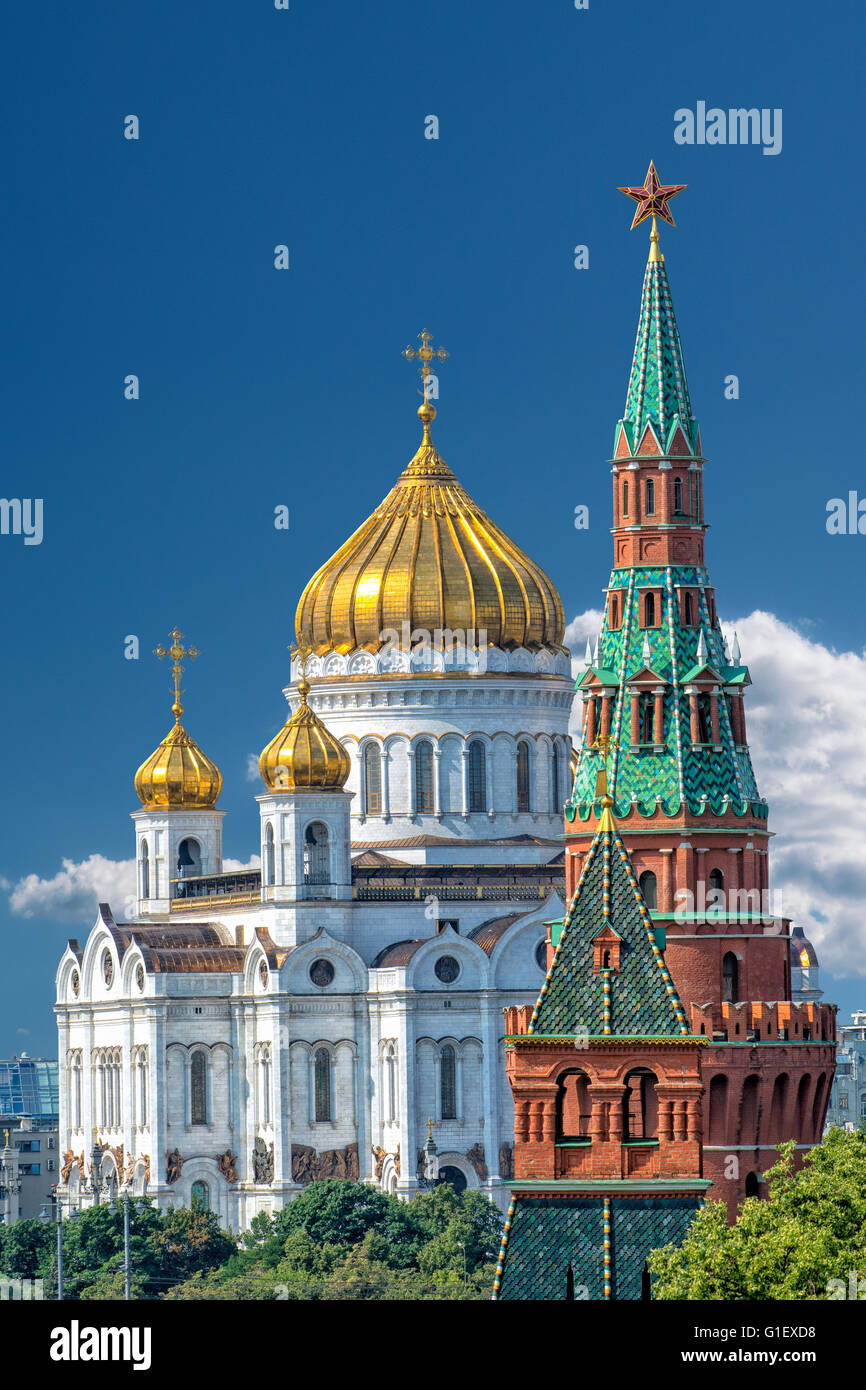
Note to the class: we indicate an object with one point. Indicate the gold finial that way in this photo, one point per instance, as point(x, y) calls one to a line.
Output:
point(6, 1139)
point(425, 353)
point(177, 652)
point(604, 743)
point(430, 1124)
point(303, 652)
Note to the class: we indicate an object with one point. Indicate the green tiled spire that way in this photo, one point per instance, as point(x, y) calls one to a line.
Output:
point(636, 1000)
point(657, 389)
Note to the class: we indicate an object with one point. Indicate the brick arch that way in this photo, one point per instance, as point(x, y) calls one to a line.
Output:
point(750, 1109)
point(778, 1108)
point(718, 1108)
point(818, 1105)
point(804, 1091)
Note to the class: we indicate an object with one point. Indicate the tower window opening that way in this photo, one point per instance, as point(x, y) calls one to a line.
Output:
point(625, 498)
point(614, 612)
point(477, 776)
point(448, 1082)
point(649, 888)
point(650, 497)
point(640, 1120)
point(649, 610)
point(423, 777)
point(198, 1089)
point(188, 858)
point(372, 780)
point(678, 496)
point(704, 724)
point(523, 797)
point(556, 774)
point(573, 1107)
point(322, 1085)
point(317, 854)
point(145, 870)
point(730, 979)
point(647, 718)
point(270, 873)
point(688, 611)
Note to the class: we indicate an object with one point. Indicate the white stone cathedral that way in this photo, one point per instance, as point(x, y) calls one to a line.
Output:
point(248, 1032)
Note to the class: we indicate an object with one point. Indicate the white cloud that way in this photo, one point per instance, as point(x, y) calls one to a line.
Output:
point(74, 892)
point(252, 767)
point(804, 717)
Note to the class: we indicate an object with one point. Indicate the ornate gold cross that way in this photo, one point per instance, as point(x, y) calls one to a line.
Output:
point(177, 652)
point(430, 1124)
point(425, 353)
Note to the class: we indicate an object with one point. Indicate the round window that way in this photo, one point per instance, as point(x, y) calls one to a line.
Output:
point(541, 955)
point(76, 983)
point(107, 967)
point(139, 978)
point(263, 973)
point(447, 969)
point(321, 972)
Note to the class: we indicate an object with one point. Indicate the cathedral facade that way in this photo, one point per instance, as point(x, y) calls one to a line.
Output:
point(249, 1032)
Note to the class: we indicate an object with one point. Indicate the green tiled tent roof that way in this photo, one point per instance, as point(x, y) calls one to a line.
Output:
point(658, 392)
point(546, 1235)
point(642, 997)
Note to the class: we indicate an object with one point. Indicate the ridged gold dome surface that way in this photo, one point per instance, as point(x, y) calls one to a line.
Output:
point(178, 774)
point(304, 756)
point(431, 557)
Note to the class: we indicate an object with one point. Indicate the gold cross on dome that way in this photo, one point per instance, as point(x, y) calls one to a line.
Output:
point(430, 1124)
point(303, 651)
point(178, 652)
point(425, 353)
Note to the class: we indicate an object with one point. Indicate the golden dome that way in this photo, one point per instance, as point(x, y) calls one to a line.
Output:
point(178, 773)
point(431, 557)
point(304, 756)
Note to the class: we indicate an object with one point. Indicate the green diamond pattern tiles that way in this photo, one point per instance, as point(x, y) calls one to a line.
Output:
point(639, 1225)
point(546, 1236)
point(704, 778)
point(642, 997)
point(657, 389)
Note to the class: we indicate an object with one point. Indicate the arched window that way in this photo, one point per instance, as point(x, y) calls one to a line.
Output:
point(372, 780)
point(718, 1109)
point(614, 612)
point(678, 496)
point(688, 611)
point(391, 1084)
point(717, 879)
point(649, 888)
point(142, 1086)
point(200, 1196)
point(573, 1107)
point(145, 870)
point(270, 871)
point(188, 858)
point(625, 498)
point(650, 496)
point(477, 776)
point(641, 1111)
point(752, 1185)
point(317, 854)
point(448, 1082)
point(730, 979)
point(556, 774)
point(523, 798)
point(198, 1089)
point(322, 1072)
point(423, 777)
point(716, 897)
point(76, 1090)
point(649, 610)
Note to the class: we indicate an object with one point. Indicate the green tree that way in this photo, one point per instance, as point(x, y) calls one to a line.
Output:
point(809, 1230)
point(26, 1249)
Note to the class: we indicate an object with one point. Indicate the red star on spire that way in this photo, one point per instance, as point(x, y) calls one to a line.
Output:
point(653, 198)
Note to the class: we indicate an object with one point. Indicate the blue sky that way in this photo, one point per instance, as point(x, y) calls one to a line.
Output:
point(260, 387)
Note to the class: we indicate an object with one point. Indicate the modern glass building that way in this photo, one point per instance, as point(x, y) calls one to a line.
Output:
point(28, 1086)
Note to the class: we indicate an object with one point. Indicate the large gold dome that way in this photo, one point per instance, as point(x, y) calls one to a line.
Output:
point(304, 756)
point(178, 773)
point(431, 557)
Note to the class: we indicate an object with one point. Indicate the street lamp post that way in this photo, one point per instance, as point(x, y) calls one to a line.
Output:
point(58, 1218)
point(463, 1248)
point(430, 1174)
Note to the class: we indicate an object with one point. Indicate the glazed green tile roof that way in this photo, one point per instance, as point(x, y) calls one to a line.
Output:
point(658, 392)
point(639, 998)
point(546, 1235)
point(701, 777)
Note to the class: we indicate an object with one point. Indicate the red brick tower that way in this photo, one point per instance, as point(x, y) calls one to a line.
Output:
point(663, 685)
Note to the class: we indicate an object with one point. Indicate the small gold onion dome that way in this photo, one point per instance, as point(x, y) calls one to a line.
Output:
point(178, 773)
point(304, 756)
point(431, 557)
